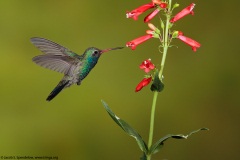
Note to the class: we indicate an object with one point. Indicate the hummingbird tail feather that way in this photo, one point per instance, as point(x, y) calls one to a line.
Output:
point(57, 90)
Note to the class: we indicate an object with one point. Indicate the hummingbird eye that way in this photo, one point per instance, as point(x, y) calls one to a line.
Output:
point(95, 53)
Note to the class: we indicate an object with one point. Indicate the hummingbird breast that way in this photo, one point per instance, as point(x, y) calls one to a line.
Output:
point(86, 67)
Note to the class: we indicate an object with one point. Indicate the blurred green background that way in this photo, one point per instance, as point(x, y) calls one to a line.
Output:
point(201, 89)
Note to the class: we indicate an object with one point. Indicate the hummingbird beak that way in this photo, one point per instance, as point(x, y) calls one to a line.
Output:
point(109, 49)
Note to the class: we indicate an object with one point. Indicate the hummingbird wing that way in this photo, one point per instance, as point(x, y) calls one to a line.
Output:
point(50, 47)
point(56, 57)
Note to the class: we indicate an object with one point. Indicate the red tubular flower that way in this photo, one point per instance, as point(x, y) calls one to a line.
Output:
point(151, 15)
point(147, 65)
point(136, 12)
point(143, 83)
point(133, 44)
point(163, 5)
point(184, 12)
point(188, 41)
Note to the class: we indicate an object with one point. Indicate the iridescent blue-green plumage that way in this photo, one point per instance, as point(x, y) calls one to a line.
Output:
point(58, 58)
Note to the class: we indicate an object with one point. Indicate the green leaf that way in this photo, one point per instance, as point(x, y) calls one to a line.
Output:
point(157, 84)
point(162, 24)
point(127, 128)
point(159, 144)
point(170, 25)
point(144, 157)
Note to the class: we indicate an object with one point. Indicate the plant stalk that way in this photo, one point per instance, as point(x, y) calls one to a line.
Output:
point(155, 95)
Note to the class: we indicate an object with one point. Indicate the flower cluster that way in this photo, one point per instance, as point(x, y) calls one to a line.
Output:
point(154, 4)
point(186, 11)
point(155, 32)
point(147, 66)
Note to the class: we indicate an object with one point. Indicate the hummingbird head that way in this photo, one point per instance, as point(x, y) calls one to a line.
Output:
point(92, 54)
point(95, 53)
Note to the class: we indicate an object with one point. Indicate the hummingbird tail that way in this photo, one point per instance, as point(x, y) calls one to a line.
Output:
point(57, 90)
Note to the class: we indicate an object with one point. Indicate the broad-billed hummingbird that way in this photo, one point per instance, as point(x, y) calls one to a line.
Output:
point(58, 58)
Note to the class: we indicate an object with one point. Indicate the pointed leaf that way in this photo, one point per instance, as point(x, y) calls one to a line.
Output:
point(157, 83)
point(159, 144)
point(175, 6)
point(127, 128)
point(162, 24)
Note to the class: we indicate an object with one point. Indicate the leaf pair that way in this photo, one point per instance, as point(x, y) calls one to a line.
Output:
point(142, 145)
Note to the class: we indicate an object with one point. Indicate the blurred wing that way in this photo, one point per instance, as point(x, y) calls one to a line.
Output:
point(62, 64)
point(56, 57)
point(49, 47)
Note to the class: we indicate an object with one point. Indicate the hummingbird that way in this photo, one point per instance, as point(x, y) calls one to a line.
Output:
point(58, 58)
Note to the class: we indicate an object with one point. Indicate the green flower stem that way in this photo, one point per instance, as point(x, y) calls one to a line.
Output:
point(165, 41)
point(155, 95)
